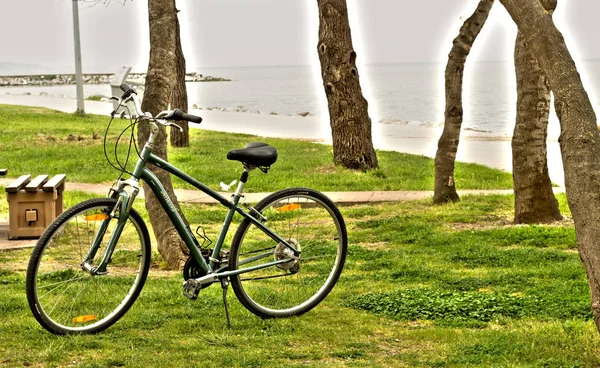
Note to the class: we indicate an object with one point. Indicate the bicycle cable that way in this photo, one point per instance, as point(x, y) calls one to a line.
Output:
point(117, 164)
point(124, 166)
point(121, 167)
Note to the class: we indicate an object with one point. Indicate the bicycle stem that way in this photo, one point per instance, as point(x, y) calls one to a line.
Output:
point(152, 137)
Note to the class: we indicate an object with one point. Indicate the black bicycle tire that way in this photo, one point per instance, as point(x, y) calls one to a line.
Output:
point(38, 251)
point(236, 282)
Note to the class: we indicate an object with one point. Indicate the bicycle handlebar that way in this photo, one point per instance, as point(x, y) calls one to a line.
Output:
point(179, 115)
point(176, 115)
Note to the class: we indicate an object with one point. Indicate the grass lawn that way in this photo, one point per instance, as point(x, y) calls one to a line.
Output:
point(423, 286)
point(41, 141)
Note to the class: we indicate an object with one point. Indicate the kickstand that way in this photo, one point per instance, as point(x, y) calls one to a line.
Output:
point(225, 286)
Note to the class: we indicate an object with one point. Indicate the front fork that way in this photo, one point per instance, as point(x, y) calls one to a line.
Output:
point(125, 194)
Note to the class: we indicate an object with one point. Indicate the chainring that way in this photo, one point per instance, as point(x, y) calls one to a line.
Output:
point(192, 270)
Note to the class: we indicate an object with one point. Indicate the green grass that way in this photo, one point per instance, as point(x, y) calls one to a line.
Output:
point(36, 141)
point(94, 97)
point(424, 286)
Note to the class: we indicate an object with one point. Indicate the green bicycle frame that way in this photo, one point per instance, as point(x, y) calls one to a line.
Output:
point(125, 201)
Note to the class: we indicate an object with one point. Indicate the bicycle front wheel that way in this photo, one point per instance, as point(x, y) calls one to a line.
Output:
point(66, 298)
point(309, 222)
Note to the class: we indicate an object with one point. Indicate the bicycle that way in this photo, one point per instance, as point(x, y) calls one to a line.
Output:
point(91, 263)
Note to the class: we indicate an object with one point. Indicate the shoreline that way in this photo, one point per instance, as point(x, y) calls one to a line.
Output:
point(476, 147)
point(415, 129)
point(59, 79)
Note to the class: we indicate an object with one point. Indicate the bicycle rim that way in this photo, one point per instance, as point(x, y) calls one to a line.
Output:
point(67, 299)
point(310, 225)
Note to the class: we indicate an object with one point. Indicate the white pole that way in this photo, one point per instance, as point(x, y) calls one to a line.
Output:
point(78, 73)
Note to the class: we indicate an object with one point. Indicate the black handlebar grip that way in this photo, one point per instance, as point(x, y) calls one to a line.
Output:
point(127, 91)
point(179, 115)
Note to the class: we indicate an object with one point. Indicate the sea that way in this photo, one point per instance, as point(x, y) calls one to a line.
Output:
point(408, 93)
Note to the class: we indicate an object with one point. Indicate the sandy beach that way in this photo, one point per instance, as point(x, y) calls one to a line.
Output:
point(476, 147)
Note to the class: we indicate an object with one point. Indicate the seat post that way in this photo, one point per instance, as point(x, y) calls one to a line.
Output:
point(240, 188)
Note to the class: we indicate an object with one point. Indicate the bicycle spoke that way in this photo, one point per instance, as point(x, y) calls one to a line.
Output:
point(74, 300)
point(60, 298)
point(59, 283)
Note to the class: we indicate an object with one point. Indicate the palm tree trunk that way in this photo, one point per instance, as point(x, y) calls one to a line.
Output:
point(579, 139)
point(444, 187)
point(160, 81)
point(534, 198)
point(179, 98)
point(348, 115)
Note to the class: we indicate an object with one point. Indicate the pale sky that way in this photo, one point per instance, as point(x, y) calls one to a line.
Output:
point(225, 33)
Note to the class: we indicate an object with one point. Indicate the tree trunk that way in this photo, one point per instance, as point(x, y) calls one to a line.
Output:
point(160, 82)
point(179, 98)
point(534, 199)
point(348, 115)
point(444, 188)
point(579, 138)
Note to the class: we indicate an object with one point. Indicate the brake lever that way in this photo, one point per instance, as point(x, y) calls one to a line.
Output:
point(177, 126)
point(172, 125)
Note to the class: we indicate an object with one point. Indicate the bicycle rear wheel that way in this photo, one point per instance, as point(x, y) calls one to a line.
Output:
point(65, 298)
point(311, 223)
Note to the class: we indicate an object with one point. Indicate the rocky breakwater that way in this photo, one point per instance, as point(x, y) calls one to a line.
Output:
point(62, 79)
point(52, 79)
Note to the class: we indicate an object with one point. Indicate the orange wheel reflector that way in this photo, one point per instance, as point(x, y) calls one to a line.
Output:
point(289, 207)
point(84, 319)
point(97, 217)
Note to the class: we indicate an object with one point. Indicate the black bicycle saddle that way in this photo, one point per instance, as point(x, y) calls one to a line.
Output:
point(255, 154)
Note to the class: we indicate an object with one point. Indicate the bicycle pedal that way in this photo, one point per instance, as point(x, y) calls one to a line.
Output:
point(191, 288)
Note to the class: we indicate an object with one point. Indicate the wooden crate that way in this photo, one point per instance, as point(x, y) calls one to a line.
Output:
point(33, 204)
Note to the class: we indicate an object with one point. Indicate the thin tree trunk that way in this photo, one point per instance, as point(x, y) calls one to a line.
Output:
point(160, 82)
point(534, 199)
point(579, 138)
point(179, 98)
point(348, 115)
point(444, 187)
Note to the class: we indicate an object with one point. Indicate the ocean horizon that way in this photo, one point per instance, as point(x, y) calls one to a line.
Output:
point(398, 93)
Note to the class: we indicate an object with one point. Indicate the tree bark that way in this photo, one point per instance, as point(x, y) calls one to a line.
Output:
point(534, 198)
point(179, 98)
point(348, 115)
point(579, 139)
point(160, 82)
point(444, 187)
